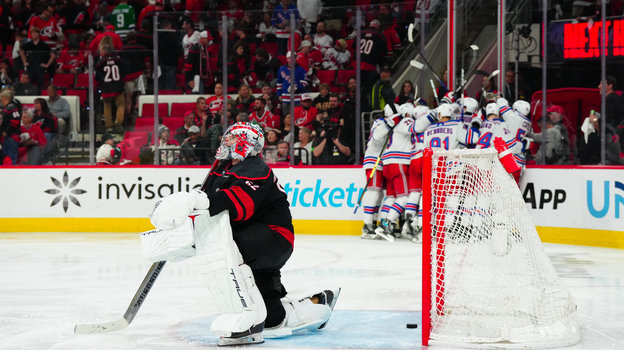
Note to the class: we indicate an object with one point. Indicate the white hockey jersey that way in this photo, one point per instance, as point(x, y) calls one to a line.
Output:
point(447, 135)
point(519, 126)
point(376, 139)
point(418, 134)
point(399, 147)
point(490, 129)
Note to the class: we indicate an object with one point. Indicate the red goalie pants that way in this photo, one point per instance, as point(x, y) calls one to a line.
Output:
point(396, 179)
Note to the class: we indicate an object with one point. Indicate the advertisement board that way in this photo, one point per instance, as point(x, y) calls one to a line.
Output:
point(577, 205)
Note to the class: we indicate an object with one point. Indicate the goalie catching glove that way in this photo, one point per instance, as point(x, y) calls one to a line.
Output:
point(173, 210)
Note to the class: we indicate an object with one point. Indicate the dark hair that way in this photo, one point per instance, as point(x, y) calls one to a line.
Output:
point(611, 80)
point(410, 84)
point(262, 53)
point(44, 105)
point(333, 94)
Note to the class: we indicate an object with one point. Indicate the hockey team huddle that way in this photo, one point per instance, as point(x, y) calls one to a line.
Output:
point(394, 152)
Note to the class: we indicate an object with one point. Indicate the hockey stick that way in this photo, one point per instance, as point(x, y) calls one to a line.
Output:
point(131, 311)
point(435, 92)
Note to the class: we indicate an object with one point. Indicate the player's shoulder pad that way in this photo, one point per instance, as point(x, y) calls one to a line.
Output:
point(252, 168)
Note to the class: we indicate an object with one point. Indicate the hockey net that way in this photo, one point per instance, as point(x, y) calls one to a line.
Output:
point(486, 277)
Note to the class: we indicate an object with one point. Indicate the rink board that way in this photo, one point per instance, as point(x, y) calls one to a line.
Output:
point(571, 205)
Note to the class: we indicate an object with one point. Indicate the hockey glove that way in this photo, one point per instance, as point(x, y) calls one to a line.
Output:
point(449, 97)
point(173, 210)
point(392, 121)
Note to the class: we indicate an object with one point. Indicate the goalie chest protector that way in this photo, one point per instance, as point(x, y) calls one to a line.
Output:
point(250, 191)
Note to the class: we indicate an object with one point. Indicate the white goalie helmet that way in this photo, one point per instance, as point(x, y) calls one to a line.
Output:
point(470, 105)
point(445, 110)
point(240, 140)
point(388, 112)
point(407, 110)
point(522, 107)
point(491, 108)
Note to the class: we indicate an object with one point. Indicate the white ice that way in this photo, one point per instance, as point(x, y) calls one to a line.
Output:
point(49, 282)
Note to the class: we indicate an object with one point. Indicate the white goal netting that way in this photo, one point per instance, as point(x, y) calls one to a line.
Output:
point(491, 281)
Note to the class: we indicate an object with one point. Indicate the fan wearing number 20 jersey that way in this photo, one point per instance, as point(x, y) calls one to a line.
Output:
point(109, 75)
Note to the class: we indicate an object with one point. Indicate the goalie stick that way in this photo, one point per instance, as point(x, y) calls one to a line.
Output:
point(131, 311)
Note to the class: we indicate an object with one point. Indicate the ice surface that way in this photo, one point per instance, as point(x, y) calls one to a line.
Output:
point(52, 281)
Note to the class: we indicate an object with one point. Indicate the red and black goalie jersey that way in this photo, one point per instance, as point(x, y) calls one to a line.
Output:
point(251, 193)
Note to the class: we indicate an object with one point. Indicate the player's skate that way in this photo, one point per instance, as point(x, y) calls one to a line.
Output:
point(368, 232)
point(251, 336)
point(327, 297)
point(384, 230)
point(407, 231)
point(416, 229)
point(307, 314)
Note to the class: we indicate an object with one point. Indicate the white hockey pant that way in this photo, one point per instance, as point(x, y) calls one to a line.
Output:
point(230, 280)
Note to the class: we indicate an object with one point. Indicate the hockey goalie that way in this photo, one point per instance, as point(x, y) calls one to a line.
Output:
point(241, 238)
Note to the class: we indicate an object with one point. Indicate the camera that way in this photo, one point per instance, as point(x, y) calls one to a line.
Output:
point(331, 128)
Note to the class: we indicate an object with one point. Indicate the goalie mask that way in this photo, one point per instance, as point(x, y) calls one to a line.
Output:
point(241, 140)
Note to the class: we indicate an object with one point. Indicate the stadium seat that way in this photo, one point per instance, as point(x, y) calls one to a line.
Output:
point(44, 92)
point(83, 95)
point(173, 123)
point(64, 80)
point(148, 110)
point(132, 143)
point(179, 109)
point(271, 48)
point(170, 92)
point(344, 75)
point(326, 76)
point(82, 81)
point(144, 124)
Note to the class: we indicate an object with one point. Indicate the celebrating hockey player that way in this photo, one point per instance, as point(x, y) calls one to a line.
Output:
point(518, 121)
point(423, 118)
point(396, 158)
point(447, 134)
point(241, 239)
point(372, 165)
point(491, 128)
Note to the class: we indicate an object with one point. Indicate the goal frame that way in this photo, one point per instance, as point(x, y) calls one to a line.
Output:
point(435, 257)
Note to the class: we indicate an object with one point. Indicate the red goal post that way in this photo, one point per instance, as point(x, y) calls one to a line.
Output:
point(486, 280)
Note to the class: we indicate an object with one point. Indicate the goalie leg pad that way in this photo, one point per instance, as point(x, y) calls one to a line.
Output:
point(301, 315)
point(230, 280)
point(174, 244)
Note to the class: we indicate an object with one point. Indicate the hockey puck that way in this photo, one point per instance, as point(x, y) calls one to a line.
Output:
point(412, 325)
